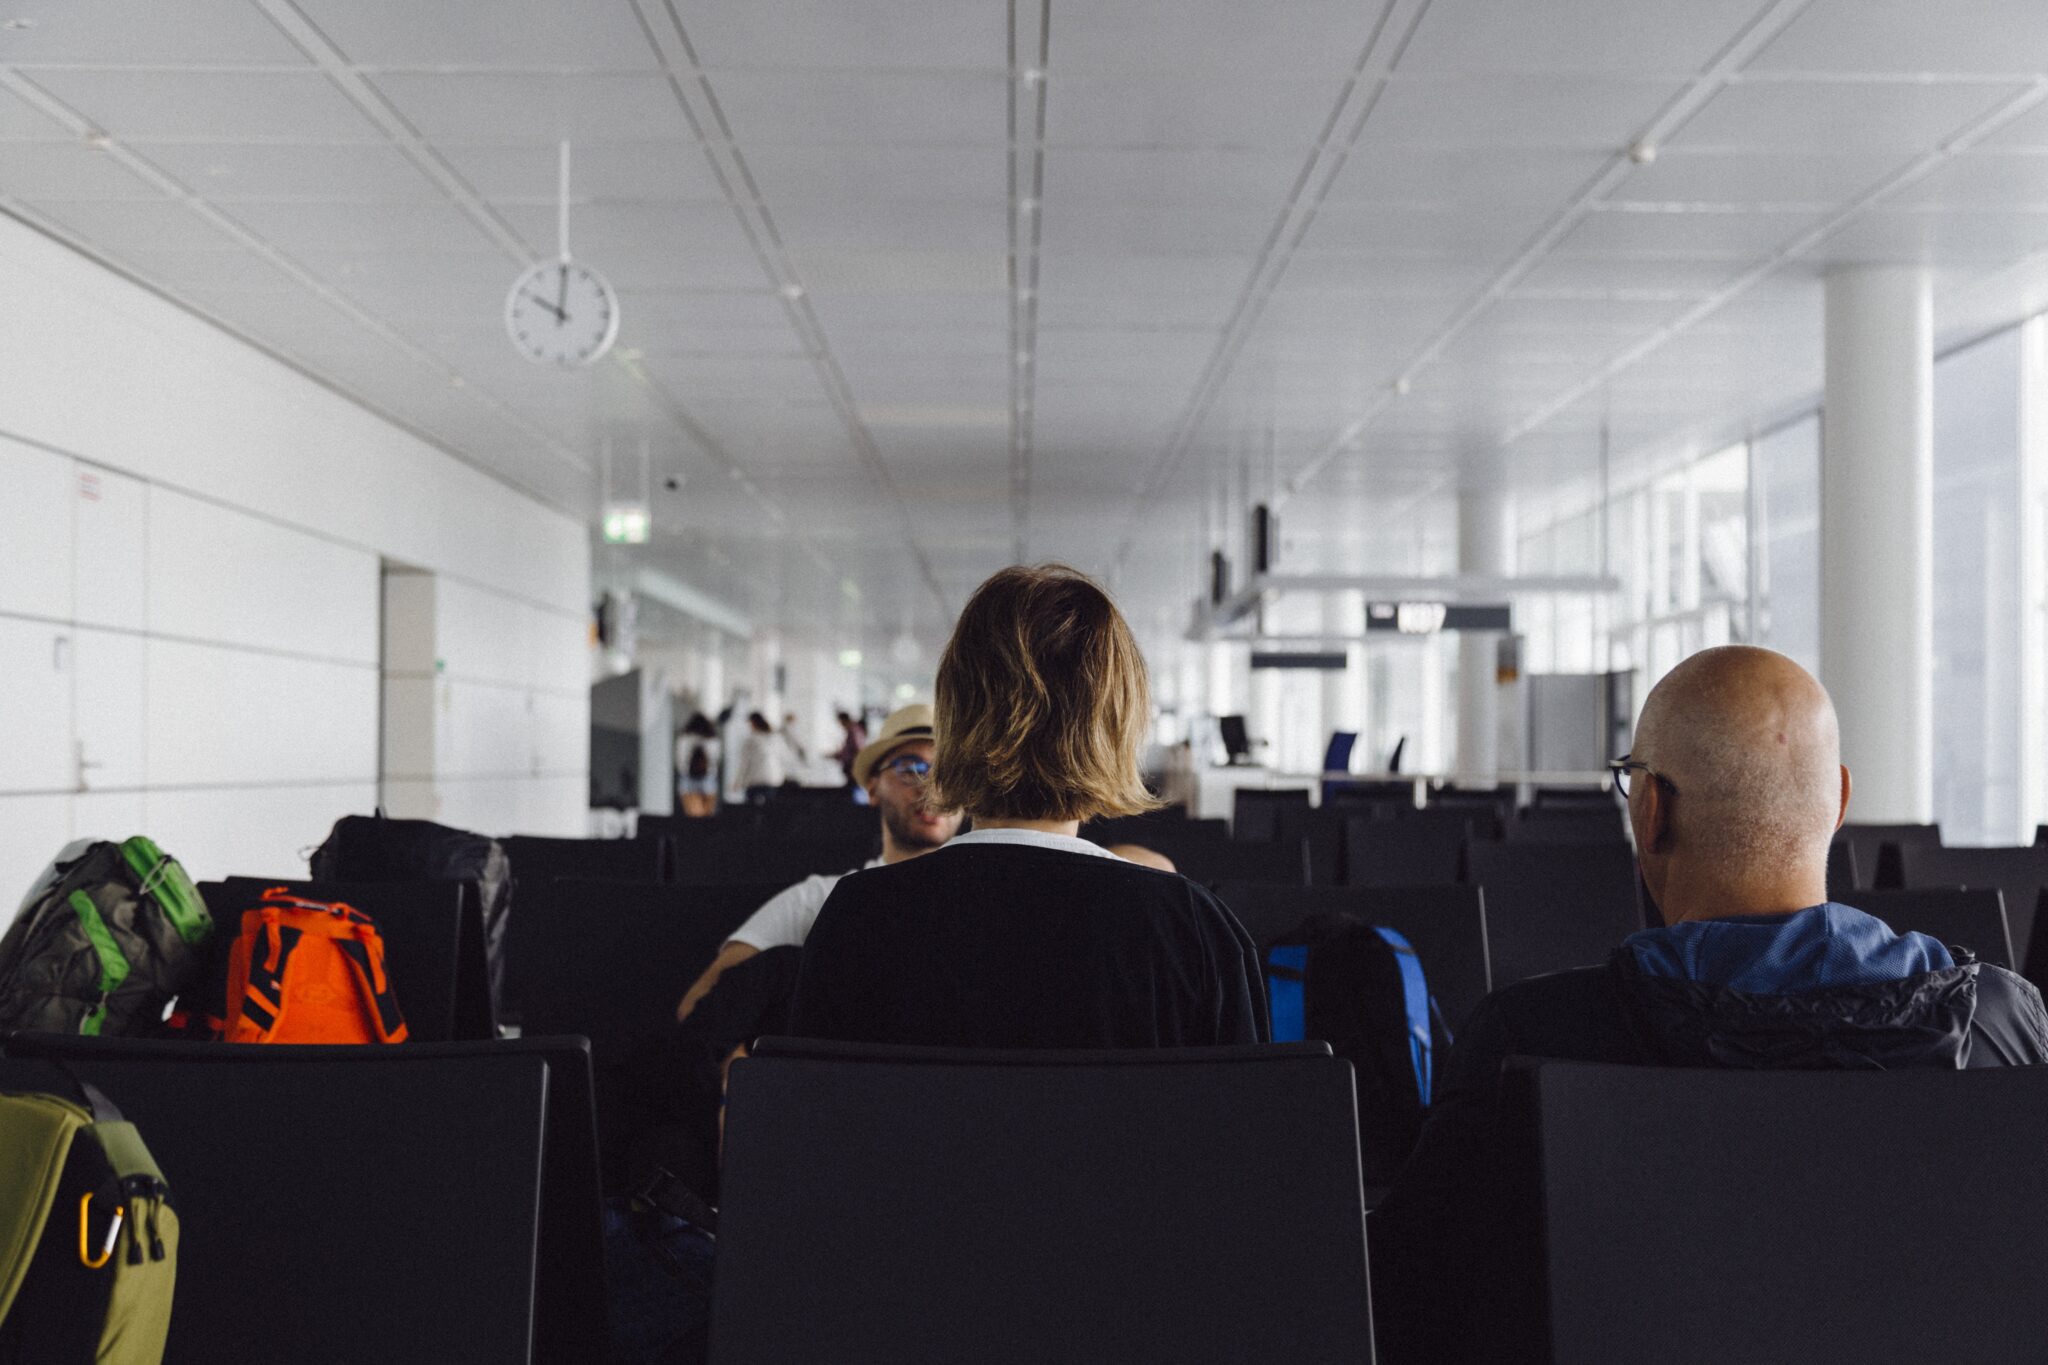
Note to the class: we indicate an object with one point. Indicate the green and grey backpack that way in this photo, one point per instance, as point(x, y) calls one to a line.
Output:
point(88, 1239)
point(110, 933)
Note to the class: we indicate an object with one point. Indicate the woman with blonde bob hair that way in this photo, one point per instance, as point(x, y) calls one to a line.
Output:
point(1020, 933)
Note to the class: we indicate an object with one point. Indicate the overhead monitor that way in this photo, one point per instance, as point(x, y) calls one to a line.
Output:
point(1429, 618)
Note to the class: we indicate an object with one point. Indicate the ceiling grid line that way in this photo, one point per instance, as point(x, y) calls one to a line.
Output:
point(759, 225)
point(1361, 89)
point(1765, 26)
point(1027, 104)
point(1969, 136)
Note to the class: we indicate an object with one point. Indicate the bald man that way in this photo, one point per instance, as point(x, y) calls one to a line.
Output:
point(1734, 788)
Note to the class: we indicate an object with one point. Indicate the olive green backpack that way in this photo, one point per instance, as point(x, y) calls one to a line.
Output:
point(88, 1240)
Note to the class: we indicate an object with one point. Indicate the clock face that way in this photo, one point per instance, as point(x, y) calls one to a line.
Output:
point(562, 313)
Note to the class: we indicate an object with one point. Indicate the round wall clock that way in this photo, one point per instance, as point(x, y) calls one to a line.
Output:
point(562, 312)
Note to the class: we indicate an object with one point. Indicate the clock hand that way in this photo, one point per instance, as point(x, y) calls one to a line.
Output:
point(560, 316)
point(562, 296)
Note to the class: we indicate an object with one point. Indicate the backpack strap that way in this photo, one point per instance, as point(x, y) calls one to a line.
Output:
point(384, 1015)
point(1415, 999)
point(1286, 991)
point(263, 999)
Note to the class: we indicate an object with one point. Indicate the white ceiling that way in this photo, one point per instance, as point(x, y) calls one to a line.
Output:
point(1343, 254)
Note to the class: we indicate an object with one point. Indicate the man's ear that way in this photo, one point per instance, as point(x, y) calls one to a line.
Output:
point(1656, 814)
point(1842, 816)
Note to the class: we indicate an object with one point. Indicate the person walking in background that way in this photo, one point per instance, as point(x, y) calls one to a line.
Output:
point(697, 767)
point(799, 756)
point(856, 735)
point(761, 761)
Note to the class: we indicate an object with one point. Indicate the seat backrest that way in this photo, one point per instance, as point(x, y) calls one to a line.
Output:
point(434, 951)
point(1171, 822)
point(609, 960)
point(1210, 862)
point(1973, 919)
point(1255, 813)
point(1174, 1205)
point(758, 859)
point(1870, 840)
point(1546, 798)
point(618, 860)
point(1446, 925)
point(1484, 818)
point(1826, 1215)
point(1323, 829)
point(2019, 872)
point(1411, 851)
point(337, 1195)
point(1567, 825)
point(1550, 907)
point(1337, 756)
point(1845, 872)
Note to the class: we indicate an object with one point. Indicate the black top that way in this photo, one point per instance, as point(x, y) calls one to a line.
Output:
point(1021, 946)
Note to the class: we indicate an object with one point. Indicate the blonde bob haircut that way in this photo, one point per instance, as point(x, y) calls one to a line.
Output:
point(1041, 702)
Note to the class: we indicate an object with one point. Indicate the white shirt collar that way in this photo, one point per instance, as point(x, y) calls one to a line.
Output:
point(1030, 838)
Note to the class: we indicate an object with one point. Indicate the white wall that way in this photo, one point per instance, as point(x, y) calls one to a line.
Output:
point(191, 540)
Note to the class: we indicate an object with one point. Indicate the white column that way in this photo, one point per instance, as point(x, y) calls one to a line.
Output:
point(1877, 536)
point(1485, 546)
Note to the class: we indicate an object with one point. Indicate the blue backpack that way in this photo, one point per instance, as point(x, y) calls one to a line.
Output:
point(1360, 988)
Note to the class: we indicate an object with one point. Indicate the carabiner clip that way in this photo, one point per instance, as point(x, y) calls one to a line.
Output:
point(85, 1237)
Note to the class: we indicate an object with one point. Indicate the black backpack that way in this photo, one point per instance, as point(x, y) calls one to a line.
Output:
point(373, 848)
point(109, 935)
point(1360, 988)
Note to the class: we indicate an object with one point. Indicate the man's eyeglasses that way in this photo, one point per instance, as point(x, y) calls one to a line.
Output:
point(909, 768)
point(1626, 764)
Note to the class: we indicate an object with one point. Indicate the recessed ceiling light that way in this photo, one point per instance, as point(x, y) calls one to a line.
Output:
point(792, 291)
point(99, 142)
point(456, 381)
point(17, 24)
point(630, 354)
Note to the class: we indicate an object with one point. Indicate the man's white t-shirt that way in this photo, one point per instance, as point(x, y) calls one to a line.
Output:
point(785, 919)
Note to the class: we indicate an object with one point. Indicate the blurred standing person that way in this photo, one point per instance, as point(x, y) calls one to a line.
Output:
point(799, 756)
point(697, 767)
point(850, 746)
point(761, 761)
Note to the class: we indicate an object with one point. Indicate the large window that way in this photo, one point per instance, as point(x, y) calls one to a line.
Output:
point(1786, 467)
point(1977, 602)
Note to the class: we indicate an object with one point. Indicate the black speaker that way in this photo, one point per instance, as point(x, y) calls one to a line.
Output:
point(1219, 578)
point(1265, 539)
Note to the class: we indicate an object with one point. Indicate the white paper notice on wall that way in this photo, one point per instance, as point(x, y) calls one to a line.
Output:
point(89, 487)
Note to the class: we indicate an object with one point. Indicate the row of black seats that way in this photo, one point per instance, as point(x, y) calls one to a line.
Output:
point(428, 1204)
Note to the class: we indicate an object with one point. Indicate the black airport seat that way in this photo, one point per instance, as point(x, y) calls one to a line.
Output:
point(2019, 872)
point(1845, 873)
point(1550, 907)
point(1323, 829)
point(1568, 824)
point(1255, 812)
point(1224, 860)
point(1880, 866)
point(536, 859)
point(921, 1206)
point(434, 952)
point(1172, 823)
point(609, 960)
point(1547, 798)
point(1485, 819)
point(1425, 848)
point(1973, 919)
point(1446, 925)
point(759, 859)
point(346, 1204)
point(1823, 1216)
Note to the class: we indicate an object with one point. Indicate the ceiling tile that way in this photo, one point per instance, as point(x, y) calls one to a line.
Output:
point(1588, 113)
point(1689, 175)
point(1942, 239)
point(493, 109)
point(145, 33)
point(21, 121)
point(859, 224)
point(846, 34)
point(56, 171)
point(1475, 179)
point(1622, 37)
point(676, 170)
point(914, 312)
point(219, 106)
point(1171, 175)
point(1305, 38)
point(681, 245)
point(157, 224)
point(898, 173)
point(1620, 232)
point(1246, 107)
point(531, 34)
point(824, 108)
point(1093, 272)
point(1378, 229)
point(295, 227)
point(1979, 180)
point(226, 172)
point(1833, 116)
point(1108, 228)
point(1903, 36)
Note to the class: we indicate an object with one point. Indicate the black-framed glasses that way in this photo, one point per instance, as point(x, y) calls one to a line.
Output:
point(910, 768)
point(1626, 764)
